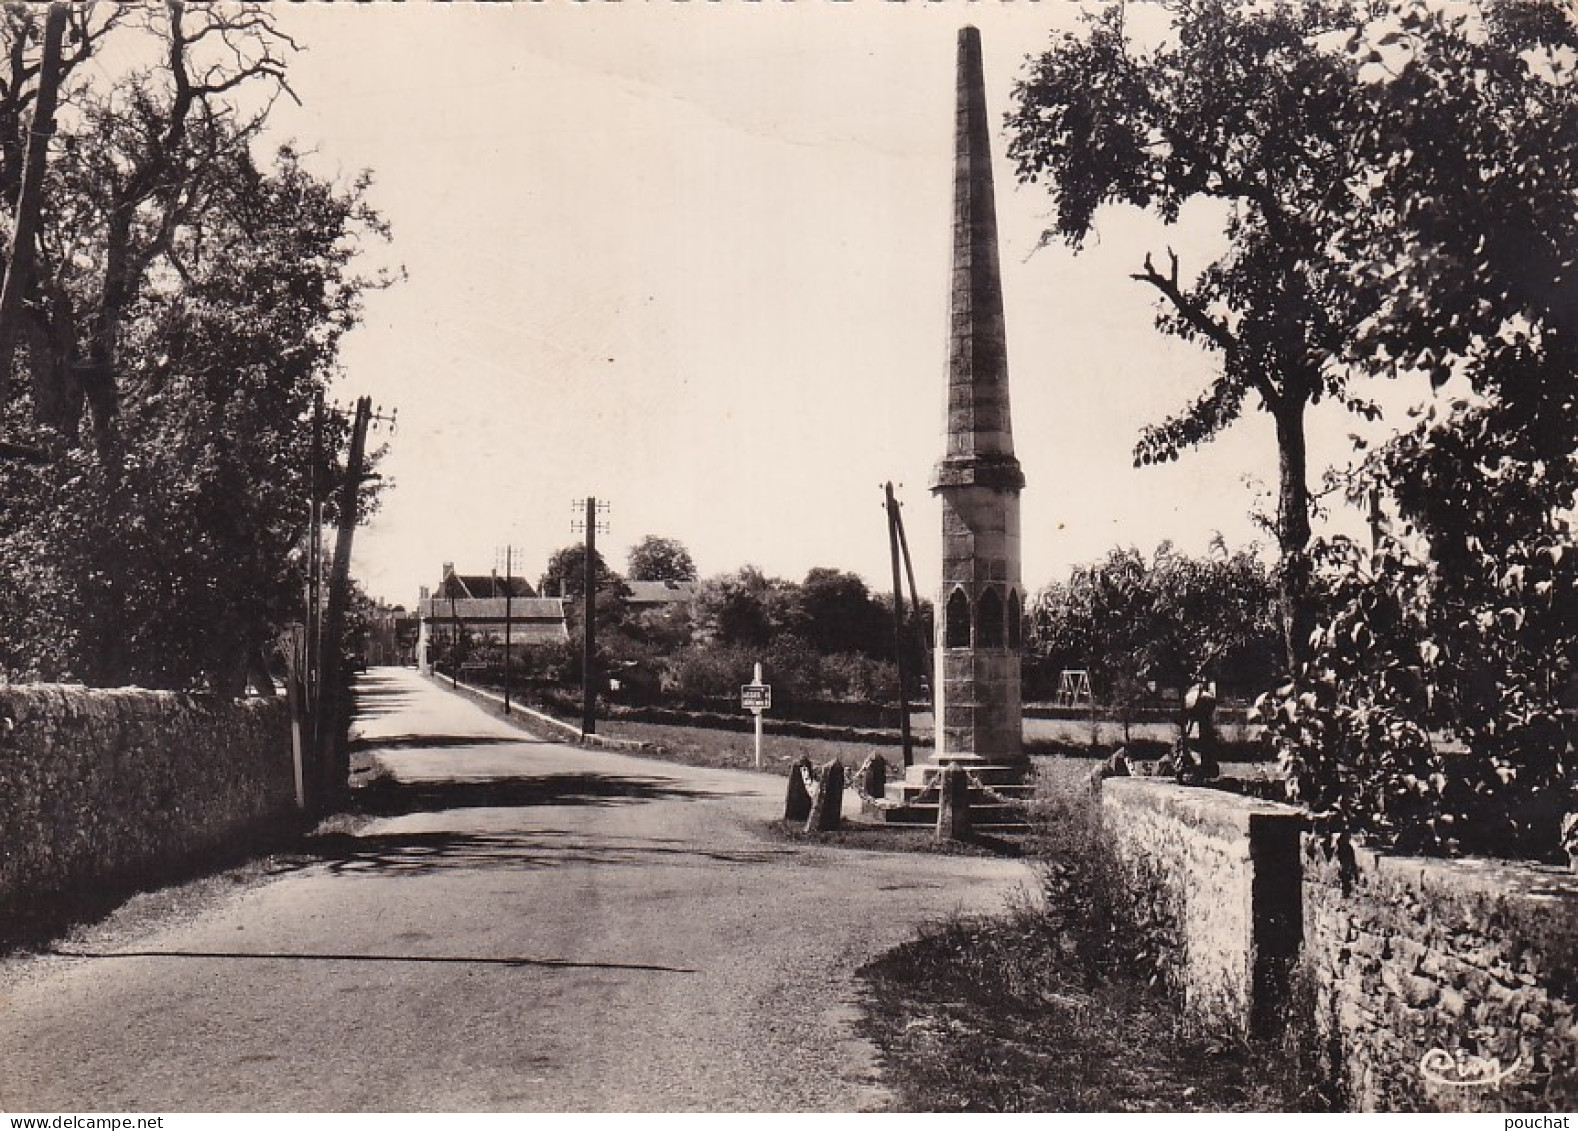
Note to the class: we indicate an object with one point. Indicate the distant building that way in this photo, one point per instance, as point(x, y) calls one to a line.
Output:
point(531, 620)
point(389, 637)
point(478, 585)
point(646, 595)
point(482, 609)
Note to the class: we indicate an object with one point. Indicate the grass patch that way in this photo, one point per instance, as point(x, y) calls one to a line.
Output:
point(727, 750)
point(1056, 1006)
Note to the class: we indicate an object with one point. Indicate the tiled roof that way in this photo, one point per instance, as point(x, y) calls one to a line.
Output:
point(521, 609)
point(532, 620)
point(660, 592)
point(479, 585)
point(530, 632)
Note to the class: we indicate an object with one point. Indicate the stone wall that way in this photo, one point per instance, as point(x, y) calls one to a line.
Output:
point(1431, 985)
point(1444, 985)
point(113, 788)
point(1215, 877)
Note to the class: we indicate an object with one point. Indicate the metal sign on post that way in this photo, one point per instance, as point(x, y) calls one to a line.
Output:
point(757, 697)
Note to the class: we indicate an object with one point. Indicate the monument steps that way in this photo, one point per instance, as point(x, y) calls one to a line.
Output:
point(998, 798)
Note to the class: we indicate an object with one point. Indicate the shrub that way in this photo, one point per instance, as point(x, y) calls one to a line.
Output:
point(852, 677)
point(1429, 716)
point(710, 671)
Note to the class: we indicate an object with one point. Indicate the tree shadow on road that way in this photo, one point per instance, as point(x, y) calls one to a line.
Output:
point(376, 694)
point(389, 796)
point(378, 849)
point(433, 741)
point(402, 853)
point(373, 703)
point(441, 959)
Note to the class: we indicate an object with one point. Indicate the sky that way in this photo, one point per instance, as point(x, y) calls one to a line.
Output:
point(693, 259)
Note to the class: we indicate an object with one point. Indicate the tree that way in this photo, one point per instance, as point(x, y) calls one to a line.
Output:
point(1431, 714)
point(204, 537)
point(30, 90)
point(566, 572)
point(1251, 107)
point(1469, 228)
point(838, 614)
point(659, 559)
point(1130, 620)
point(159, 141)
point(191, 299)
point(1431, 717)
point(745, 608)
point(29, 197)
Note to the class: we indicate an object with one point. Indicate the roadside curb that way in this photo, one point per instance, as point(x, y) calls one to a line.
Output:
point(558, 730)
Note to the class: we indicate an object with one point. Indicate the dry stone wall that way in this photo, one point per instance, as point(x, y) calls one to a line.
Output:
point(1444, 985)
point(1214, 877)
point(114, 787)
point(1420, 984)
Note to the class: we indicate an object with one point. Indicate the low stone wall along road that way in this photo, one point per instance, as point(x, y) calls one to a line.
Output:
point(523, 926)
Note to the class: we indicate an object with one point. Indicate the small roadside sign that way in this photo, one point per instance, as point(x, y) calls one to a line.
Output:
point(757, 697)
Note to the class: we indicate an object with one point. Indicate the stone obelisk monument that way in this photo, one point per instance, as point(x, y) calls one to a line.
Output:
point(980, 605)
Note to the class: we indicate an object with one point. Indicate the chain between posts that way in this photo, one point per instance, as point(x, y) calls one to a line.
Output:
point(987, 791)
point(934, 788)
point(859, 786)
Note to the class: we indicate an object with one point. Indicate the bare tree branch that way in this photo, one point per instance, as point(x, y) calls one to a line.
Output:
point(1169, 285)
point(1212, 328)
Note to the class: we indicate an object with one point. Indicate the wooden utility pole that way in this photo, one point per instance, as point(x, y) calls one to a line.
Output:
point(454, 641)
point(915, 605)
point(898, 625)
point(589, 625)
point(334, 750)
point(589, 525)
point(509, 595)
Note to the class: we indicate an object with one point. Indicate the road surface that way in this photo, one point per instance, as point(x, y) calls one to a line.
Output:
point(531, 926)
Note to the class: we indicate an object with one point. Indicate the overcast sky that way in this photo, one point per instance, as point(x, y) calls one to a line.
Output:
point(693, 259)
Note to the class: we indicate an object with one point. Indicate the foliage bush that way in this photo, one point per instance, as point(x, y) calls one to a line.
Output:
point(1168, 618)
point(710, 671)
point(851, 677)
point(1429, 717)
point(186, 308)
point(796, 671)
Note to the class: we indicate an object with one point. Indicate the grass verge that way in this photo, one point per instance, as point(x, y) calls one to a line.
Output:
point(1056, 1006)
point(728, 750)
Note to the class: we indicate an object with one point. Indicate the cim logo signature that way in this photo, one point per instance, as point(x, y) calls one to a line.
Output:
point(1464, 1070)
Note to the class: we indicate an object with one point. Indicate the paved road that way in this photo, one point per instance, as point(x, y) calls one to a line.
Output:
point(533, 927)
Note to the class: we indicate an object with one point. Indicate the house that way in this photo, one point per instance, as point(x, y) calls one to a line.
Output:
point(483, 610)
point(643, 596)
point(389, 636)
point(530, 620)
point(477, 585)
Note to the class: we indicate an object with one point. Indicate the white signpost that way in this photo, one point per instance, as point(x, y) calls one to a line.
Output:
point(757, 697)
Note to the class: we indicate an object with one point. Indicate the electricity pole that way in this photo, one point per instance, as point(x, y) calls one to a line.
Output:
point(334, 616)
point(898, 624)
point(509, 595)
point(897, 518)
point(454, 642)
point(589, 525)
